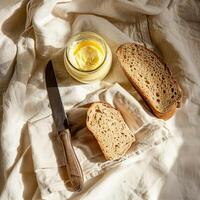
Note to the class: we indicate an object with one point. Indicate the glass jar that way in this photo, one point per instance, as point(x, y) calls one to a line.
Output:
point(87, 57)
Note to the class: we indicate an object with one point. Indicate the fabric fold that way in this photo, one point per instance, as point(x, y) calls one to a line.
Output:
point(32, 32)
point(48, 158)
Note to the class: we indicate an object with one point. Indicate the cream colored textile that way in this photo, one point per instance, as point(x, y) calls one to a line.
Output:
point(47, 153)
point(34, 31)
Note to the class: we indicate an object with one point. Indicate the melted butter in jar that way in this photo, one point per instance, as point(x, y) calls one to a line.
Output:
point(87, 57)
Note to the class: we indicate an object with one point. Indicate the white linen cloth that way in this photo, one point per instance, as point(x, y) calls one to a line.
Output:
point(47, 152)
point(32, 32)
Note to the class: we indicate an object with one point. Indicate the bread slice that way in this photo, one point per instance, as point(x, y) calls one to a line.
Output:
point(109, 129)
point(151, 78)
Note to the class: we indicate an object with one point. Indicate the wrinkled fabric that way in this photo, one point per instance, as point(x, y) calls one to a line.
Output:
point(48, 159)
point(32, 32)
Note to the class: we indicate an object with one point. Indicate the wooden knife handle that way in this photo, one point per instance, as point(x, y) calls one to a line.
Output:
point(72, 164)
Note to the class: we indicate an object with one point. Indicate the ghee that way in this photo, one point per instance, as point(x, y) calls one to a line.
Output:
point(87, 57)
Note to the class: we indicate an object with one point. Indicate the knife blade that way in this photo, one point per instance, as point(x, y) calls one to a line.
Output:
point(60, 119)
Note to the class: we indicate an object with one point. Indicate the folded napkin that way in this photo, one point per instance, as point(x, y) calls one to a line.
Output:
point(47, 153)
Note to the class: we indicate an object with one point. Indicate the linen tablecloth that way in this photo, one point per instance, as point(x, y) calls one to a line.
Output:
point(34, 31)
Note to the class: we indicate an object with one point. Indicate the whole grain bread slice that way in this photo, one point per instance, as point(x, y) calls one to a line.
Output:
point(151, 78)
point(111, 132)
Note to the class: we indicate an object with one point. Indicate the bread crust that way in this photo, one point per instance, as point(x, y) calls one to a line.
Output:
point(172, 109)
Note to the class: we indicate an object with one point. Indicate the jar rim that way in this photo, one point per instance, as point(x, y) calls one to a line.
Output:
point(103, 43)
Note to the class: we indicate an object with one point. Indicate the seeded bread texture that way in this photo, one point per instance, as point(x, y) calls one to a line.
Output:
point(151, 78)
point(109, 129)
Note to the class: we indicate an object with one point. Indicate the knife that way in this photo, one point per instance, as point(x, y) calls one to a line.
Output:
point(60, 119)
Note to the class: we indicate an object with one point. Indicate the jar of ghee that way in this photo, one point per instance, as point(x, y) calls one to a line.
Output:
point(87, 57)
